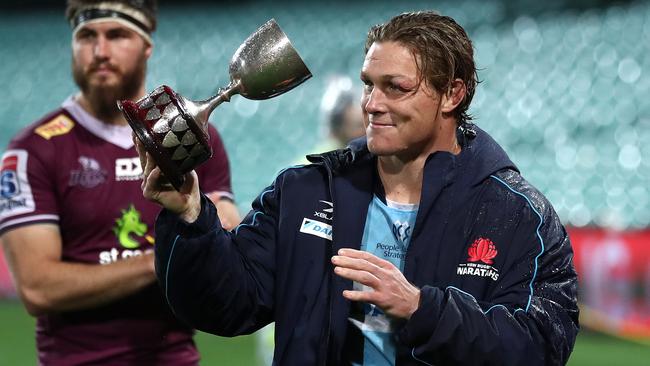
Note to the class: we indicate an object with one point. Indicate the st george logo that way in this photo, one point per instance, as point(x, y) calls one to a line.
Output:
point(130, 224)
point(482, 250)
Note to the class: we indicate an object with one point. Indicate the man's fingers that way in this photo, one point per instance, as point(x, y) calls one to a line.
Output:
point(188, 184)
point(139, 147)
point(360, 254)
point(355, 263)
point(149, 165)
point(149, 189)
point(365, 296)
point(363, 277)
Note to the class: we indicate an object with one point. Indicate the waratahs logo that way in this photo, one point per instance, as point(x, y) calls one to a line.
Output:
point(481, 254)
point(482, 250)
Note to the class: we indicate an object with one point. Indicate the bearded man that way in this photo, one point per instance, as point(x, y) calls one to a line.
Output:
point(77, 234)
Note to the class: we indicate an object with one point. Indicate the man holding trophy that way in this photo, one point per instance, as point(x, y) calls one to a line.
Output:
point(77, 233)
point(418, 244)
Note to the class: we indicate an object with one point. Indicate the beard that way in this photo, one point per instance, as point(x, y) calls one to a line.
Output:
point(103, 96)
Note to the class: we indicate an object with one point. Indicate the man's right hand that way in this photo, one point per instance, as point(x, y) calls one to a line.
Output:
point(186, 203)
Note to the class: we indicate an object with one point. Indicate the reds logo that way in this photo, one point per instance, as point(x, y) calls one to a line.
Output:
point(482, 250)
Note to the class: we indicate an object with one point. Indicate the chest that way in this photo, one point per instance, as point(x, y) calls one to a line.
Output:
point(100, 203)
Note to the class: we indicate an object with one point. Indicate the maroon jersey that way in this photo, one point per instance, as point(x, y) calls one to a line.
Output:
point(84, 175)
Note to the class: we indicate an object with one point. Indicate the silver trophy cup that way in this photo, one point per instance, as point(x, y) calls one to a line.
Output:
point(174, 130)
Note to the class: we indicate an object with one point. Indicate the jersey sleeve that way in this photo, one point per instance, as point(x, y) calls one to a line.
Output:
point(214, 174)
point(27, 192)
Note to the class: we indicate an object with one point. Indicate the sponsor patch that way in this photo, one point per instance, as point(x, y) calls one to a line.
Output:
point(60, 125)
point(128, 169)
point(317, 228)
point(326, 211)
point(480, 257)
point(401, 230)
point(482, 250)
point(90, 175)
point(15, 193)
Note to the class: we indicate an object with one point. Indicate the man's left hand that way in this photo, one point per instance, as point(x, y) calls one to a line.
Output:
point(390, 289)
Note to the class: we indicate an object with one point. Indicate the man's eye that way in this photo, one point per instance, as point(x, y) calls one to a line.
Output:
point(84, 35)
point(117, 36)
point(396, 88)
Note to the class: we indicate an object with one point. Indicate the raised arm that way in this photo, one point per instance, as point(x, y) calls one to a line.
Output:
point(216, 281)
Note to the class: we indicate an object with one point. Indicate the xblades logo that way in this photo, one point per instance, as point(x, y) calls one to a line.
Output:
point(325, 213)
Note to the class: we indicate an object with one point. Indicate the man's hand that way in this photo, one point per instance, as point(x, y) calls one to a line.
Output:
point(390, 289)
point(186, 203)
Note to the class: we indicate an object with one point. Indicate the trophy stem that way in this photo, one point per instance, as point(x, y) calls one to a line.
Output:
point(205, 107)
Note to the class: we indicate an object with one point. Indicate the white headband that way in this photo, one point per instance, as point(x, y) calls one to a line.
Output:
point(112, 11)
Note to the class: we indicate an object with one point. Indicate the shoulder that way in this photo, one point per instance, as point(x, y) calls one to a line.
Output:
point(54, 126)
point(212, 131)
point(508, 184)
point(214, 135)
point(522, 201)
point(301, 177)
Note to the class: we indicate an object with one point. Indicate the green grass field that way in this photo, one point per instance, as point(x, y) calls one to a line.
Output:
point(17, 346)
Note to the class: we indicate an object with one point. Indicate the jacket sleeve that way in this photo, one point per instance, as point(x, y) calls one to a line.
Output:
point(530, 318)
point(218, 281)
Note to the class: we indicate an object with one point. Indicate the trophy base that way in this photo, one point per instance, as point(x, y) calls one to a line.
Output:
point(168, 132)
point(160, 156)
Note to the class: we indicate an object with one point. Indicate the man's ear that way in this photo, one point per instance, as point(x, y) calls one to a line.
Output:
point(454, 96)
point(148, 50)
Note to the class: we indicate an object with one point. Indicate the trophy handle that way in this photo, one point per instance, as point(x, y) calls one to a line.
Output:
point(201, 110)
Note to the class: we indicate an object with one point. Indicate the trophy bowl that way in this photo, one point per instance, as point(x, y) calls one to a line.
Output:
point(174, 129)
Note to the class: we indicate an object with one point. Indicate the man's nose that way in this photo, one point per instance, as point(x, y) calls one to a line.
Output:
point(101, 49)
point(374, 101)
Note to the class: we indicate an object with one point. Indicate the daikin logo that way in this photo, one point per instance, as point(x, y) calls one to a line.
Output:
point(317, 228)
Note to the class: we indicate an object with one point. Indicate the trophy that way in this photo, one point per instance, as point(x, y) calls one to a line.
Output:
point(174, 130)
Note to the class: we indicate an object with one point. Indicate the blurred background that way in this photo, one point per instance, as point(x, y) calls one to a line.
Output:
point(565, 91)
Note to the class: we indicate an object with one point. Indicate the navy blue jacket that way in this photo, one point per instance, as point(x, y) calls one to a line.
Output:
point(492, 260)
